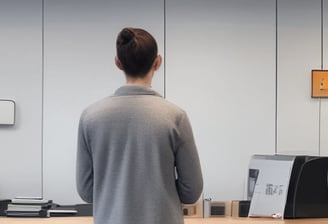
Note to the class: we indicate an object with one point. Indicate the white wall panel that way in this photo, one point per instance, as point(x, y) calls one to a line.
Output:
point(80, 38)
point(324, 128)
point(299, 51)
point(21, 81)
point(324, 102)
point(221, 70)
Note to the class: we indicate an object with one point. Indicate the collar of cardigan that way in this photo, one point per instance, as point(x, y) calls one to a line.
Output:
point(130, 90)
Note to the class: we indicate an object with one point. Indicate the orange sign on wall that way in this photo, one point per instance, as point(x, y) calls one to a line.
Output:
point(319, 83)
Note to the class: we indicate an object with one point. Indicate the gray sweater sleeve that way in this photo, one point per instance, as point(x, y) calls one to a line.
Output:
point(84, 167)
point(189, 176)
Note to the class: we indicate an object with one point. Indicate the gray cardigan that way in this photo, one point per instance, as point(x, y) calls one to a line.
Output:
point(136, 159)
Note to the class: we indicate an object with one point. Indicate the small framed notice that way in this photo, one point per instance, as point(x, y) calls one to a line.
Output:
point(319, 83)
point(7, 112)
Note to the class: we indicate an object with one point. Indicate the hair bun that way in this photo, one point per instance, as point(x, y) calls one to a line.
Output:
point(126, 36)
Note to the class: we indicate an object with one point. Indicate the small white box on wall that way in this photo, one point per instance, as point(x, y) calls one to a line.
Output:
point(7, 112)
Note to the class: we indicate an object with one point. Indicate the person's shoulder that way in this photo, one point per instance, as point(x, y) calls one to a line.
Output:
point(94, 108)
point(173, 107)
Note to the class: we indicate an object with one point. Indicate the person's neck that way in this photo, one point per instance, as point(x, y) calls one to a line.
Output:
point(146, 81)
point(138, 82)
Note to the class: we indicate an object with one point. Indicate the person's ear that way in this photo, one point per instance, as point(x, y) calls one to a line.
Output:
point(118, 63)
point(157, 62)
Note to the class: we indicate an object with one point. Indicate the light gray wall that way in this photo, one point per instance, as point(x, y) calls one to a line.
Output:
point(221, 69)
point(299, 51)
point(20, 80)
point(323, 103)
point(220, 66)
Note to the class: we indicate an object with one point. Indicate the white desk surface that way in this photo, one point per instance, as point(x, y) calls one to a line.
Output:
point(88, 220)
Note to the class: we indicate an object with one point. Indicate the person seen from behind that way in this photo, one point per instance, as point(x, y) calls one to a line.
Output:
point(137, 160)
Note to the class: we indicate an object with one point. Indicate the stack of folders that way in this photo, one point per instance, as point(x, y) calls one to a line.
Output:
point(29, 207)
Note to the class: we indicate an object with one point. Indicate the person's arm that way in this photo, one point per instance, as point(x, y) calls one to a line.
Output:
point(84, 166)
point(189, 176)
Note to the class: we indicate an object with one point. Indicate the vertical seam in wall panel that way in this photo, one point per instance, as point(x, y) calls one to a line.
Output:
point(42, 89)
point(164, 49)
point(322, 21)
point(276, 93)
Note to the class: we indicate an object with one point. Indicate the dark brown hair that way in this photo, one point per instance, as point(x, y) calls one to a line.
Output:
point(136, 50)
